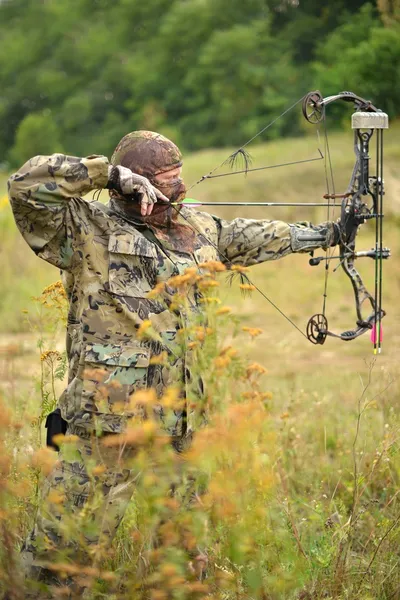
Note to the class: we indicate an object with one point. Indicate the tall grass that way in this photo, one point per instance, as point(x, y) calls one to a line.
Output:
point(297, 473)
point(266, 504)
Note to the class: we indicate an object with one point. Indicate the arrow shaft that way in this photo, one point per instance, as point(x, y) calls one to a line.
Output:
point(252, 204)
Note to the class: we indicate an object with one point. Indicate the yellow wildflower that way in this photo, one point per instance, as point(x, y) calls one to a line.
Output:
point(212, 300)
point(159, 359)
point(224, 310)
point(239, 268)
point(201, 333)
point(253, 331)
point(55, 497)
point(133, 436)
point(50, 356)
point(204, 285)
point(60, 438)
point(255, 368)
point(228, 351)
point(222, 361)
point(213, 266)
point(146, 397)
point(247, 287)
point(157, 290)
point(171, 397)
point(144, 326)
point(99, 470)
point(45, 459)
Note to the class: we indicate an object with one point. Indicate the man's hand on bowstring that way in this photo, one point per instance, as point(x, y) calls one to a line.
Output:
point(126, 182)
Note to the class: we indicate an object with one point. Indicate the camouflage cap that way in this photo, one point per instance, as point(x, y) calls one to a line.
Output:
point(147, 153)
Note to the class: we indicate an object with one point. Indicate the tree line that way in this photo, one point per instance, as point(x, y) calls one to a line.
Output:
point(76, 75)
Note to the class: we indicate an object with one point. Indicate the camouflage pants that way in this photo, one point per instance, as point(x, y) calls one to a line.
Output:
point(83, 502)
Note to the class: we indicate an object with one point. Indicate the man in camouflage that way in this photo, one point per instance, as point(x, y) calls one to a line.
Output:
point(111, 256)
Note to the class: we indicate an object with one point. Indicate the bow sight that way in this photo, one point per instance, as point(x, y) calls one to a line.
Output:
point(355, 210)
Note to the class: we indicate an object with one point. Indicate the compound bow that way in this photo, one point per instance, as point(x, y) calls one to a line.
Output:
point(355, 210)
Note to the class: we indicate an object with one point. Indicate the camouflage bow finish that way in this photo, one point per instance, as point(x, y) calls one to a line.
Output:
point(363, 200)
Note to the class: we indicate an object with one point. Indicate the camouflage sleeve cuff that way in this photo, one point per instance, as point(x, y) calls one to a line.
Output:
point(113, 179)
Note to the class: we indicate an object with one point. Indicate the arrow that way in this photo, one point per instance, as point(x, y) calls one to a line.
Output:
point(193, 203)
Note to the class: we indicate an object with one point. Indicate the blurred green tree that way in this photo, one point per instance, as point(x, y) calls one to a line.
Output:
point(36, 134)
point(206, 72)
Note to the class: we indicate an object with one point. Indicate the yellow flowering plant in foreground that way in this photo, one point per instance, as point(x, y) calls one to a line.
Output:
point(243, 512)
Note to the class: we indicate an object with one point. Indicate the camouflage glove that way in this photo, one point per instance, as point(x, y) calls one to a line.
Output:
point(126, 182)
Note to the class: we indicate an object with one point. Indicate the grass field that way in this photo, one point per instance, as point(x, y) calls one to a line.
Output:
point(334, 408)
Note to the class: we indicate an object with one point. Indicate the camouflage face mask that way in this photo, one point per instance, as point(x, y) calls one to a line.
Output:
point(150, 154)
point(147, 153)
point(175, 189)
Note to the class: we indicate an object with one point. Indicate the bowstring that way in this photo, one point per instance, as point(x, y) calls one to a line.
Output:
point(246, 144)
point(331, 190)
point(326, 157)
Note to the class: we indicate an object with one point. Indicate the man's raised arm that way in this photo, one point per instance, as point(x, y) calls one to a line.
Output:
point(40, 193)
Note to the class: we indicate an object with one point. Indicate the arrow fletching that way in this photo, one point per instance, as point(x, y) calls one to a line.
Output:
point(190, 202)
point(374, 334)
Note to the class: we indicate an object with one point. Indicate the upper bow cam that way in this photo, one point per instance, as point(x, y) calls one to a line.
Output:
point(356, 210)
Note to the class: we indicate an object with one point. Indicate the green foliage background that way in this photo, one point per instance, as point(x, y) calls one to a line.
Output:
point(76, 75)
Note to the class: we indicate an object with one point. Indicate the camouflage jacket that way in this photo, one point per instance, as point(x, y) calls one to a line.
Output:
point(109, 267)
